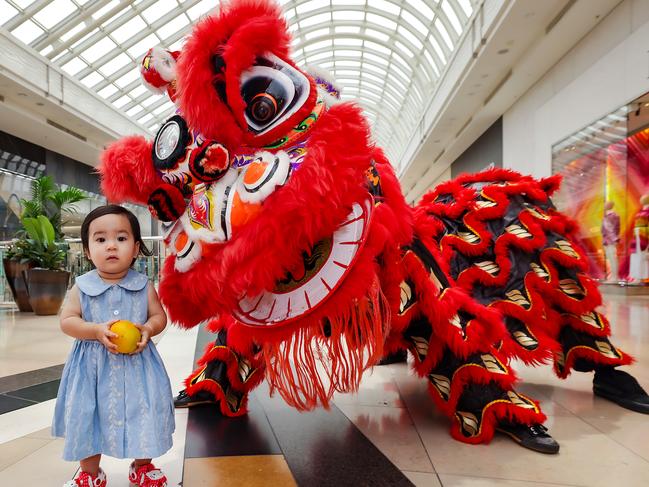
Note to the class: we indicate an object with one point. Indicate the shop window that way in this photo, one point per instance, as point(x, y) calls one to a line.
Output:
point(608, 163)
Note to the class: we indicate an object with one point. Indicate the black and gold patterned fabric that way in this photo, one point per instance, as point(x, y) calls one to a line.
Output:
point(507, 245)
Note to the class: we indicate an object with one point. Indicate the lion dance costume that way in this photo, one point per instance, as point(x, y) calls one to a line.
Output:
point(290, 237)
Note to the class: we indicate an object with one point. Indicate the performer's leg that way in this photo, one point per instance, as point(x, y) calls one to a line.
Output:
point(476, 392)
point(621, 388)
point(214, 369)
point(511, 250)
point(452, 338)
point(586, 347)
point(223, 376)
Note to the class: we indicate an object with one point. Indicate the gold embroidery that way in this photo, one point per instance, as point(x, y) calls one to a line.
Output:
point(421, 344)
point(517, 297)
point(468, 422)
point(455, 321)
point(442, 384)
point(406, 297)
point(570, 287)
point(519, 400)
point(492, 364)
point(525, 340)
point(539, 271)
point(489, 267)
point(566, 247)
point(468, 237)
point(245, 369)
point(518, 231)
point(484, 204)
point(538, 213)
point(606, 349)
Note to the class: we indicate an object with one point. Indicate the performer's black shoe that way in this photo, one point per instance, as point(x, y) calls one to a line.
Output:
point(184, 400)
point(534, 437)
point(394, 358)
point(621, 388)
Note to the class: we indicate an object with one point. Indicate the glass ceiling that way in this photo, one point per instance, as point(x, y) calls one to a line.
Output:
point(389, 54)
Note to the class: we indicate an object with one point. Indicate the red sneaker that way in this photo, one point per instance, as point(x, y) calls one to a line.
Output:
point(84, 479)
point(146, 476)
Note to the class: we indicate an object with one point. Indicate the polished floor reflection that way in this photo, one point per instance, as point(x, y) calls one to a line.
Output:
point(601, 444)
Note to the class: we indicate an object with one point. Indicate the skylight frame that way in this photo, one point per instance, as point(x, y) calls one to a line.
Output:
point(413, 53)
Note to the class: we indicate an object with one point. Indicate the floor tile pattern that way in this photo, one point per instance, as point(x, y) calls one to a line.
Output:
point(601, 444)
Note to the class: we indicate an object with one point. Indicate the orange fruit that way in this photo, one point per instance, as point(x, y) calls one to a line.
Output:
point(127, 336)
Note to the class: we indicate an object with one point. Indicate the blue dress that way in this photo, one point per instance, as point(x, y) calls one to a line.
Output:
point(114, 404)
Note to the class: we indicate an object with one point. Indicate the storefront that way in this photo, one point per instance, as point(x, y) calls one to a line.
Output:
point(605, 169)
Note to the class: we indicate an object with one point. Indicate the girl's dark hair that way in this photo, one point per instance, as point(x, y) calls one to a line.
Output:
point(113, 210)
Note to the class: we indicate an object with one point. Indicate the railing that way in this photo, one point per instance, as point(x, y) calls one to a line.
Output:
point(77, 263)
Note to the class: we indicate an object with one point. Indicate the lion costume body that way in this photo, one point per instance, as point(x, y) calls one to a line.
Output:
point(291, 239)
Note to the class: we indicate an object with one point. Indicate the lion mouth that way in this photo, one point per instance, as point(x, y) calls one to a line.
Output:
point(319, 274)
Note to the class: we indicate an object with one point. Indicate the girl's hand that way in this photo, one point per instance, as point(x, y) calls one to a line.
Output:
point(145, 332)
point(103, 335)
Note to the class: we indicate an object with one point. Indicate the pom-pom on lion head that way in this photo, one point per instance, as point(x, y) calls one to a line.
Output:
point(236, 82)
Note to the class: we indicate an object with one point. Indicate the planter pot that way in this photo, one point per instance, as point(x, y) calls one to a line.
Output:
point(14, 272)
point(46, 289)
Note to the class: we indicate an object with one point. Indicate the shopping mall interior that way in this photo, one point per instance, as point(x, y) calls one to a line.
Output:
point(448, 88)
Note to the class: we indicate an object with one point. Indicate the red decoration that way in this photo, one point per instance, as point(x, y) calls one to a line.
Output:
point(398, 289)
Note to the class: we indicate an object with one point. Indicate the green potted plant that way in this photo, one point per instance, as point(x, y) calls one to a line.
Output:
point(47, 281)
point(46, 199)
point(15, 261)
point(49, 200)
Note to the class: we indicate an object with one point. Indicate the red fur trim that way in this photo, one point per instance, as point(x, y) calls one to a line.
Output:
point(591, 355)
point(231, 359)
point(495, 413)
point(259, 254)
point(578, 323)
point(400, 221)
point(391, 275)
point(127, 172)
point(485, 328)
point(543, 354)
point(227, 356)
point(471, 374)
point(223, 322)
point(544, 294)
point(551, 184)
point(554, 296)
point(215, 389)
point(239, 32)
point(542, 323)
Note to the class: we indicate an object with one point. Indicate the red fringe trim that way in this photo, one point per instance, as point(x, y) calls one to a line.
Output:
point(354, 342)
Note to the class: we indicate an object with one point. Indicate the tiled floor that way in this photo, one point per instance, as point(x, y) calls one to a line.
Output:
point(601, 444)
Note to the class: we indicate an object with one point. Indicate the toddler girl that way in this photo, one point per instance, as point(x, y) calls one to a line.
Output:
point(108, 402)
